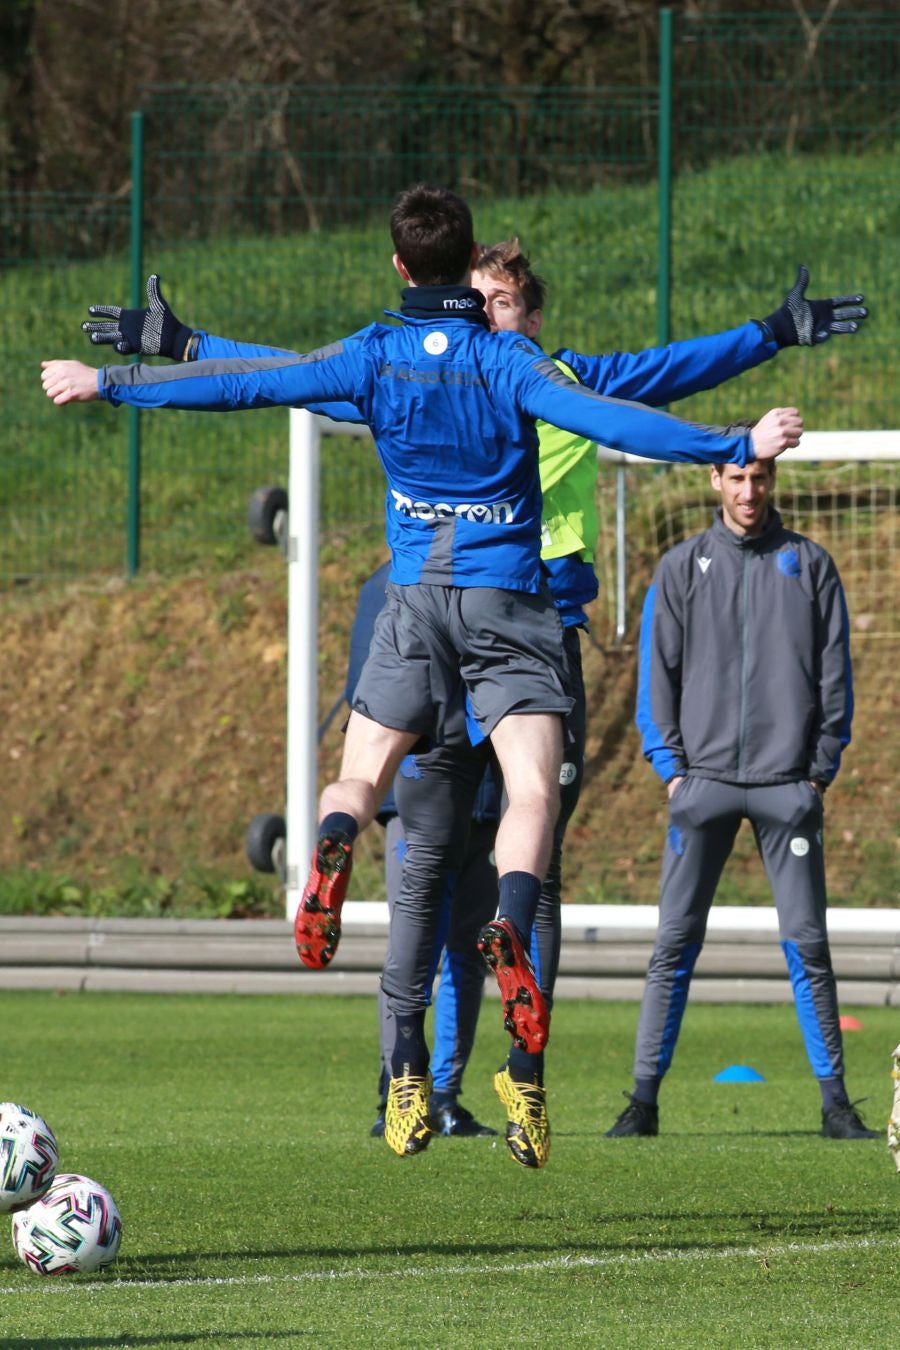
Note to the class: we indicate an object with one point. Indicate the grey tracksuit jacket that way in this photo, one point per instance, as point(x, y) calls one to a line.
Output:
point(745, 670)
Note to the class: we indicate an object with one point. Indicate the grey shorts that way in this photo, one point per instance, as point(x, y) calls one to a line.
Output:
point(504, 648)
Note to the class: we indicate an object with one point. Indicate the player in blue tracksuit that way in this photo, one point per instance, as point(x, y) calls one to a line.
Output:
point(452, 409)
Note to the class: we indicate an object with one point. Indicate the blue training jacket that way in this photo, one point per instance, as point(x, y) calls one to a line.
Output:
point(661, 375)
point(452, 409)
point(657, 375)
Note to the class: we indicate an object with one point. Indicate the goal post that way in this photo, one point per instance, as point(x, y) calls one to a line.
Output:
point(302, 555)
point(816, 447)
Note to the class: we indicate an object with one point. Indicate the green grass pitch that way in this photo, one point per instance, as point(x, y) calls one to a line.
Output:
point(233, 1133)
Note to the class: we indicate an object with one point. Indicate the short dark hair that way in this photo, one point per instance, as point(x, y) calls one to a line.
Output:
point(507, 260)
point(433, 234)
point(747, 424)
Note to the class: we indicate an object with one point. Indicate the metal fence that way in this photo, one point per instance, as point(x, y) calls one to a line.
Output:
point(654, 213)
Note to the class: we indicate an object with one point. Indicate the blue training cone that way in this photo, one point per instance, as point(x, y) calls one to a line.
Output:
point(738, 1073)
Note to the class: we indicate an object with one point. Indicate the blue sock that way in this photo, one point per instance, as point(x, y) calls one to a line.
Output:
point(441, 1097)
point(646, 1090)
point(519, 894)
point(339, 821)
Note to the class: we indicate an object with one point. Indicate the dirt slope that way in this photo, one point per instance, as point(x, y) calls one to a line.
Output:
point(144, 725)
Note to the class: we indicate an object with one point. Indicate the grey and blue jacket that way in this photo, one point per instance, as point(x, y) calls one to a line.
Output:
point(452, 409)
point(744, 668)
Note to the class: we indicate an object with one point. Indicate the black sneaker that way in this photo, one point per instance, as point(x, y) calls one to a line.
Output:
point(843, 1122)
point(456, 1120)
point(377, 1130)
point(637, 1118)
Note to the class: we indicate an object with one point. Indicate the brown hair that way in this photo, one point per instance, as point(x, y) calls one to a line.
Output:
point(506, 260)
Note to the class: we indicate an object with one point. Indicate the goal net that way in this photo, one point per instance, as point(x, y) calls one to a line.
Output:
point(839, 488)
point(842, 490)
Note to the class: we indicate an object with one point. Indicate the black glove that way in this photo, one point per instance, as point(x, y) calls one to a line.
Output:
point(805, 323)
point(153, 331)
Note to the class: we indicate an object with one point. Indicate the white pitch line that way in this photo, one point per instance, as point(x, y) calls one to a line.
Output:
point(552, 1264)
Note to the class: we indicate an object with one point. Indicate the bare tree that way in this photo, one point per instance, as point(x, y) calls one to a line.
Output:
point(73, 70)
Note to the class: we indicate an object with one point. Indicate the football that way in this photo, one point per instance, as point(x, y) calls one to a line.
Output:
point(29, 1156)
point(74, 1227)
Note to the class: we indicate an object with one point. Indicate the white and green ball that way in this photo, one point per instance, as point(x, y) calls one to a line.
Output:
point(29, 1156)
point(75, 1227)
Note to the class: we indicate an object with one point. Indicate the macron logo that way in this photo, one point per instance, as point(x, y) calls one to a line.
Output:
point(703, 563)
point(479, 513)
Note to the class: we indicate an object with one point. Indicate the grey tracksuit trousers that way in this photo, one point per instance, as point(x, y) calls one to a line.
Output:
point(787, 820)
point(470, 901)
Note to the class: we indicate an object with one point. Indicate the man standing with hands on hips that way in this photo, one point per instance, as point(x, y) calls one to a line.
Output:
point(745, 698)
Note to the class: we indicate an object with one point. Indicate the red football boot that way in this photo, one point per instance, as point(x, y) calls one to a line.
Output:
point(317, 927)
point(525, 1013)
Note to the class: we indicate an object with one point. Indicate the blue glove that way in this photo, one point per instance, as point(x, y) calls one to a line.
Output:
point(806, 323)
point(153, 331)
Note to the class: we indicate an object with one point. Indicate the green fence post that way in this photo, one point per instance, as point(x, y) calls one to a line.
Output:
point(664, 182)
point(137, 301)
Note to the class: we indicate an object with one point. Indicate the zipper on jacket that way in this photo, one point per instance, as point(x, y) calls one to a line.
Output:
point(742, 716)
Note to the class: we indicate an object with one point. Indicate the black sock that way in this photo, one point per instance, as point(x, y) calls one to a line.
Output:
point(410, 1054)
point(525, 1068)
point(519, 893)
point(646, 1090)
point(833, 1093)
point(339, 821)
